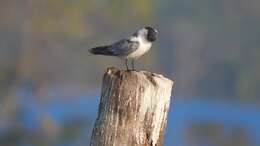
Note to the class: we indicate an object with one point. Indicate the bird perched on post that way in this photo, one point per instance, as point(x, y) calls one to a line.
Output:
point(130, 48)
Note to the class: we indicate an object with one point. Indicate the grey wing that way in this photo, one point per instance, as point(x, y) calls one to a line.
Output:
point(124, 47)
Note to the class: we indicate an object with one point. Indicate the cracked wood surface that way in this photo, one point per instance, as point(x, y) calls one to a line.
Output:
point(133, 109)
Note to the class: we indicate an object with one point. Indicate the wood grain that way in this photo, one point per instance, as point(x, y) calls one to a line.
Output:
point(133, 109)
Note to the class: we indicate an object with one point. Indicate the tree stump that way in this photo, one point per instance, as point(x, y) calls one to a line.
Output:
point(133, 109)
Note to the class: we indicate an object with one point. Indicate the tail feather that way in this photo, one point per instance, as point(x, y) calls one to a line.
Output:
point(102, 50)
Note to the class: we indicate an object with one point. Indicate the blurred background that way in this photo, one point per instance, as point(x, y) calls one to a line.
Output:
point(50, 85)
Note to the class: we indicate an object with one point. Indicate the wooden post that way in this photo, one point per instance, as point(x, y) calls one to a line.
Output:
point(133, 109)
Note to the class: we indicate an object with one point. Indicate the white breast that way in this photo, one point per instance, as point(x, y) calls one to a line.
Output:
point(141, 50)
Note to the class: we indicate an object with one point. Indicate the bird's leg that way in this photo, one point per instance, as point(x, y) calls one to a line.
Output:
point(133, 64)
point(126, 65)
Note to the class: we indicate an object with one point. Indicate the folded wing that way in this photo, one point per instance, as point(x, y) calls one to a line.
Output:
point(120, 48)
point(124, 47)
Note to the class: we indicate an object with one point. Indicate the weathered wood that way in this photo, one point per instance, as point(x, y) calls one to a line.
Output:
point(133, 109)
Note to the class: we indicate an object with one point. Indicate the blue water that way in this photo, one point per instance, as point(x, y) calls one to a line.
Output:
point(182, 112)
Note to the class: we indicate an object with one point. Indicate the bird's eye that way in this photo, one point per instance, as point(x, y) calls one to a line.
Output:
point(152, 35)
